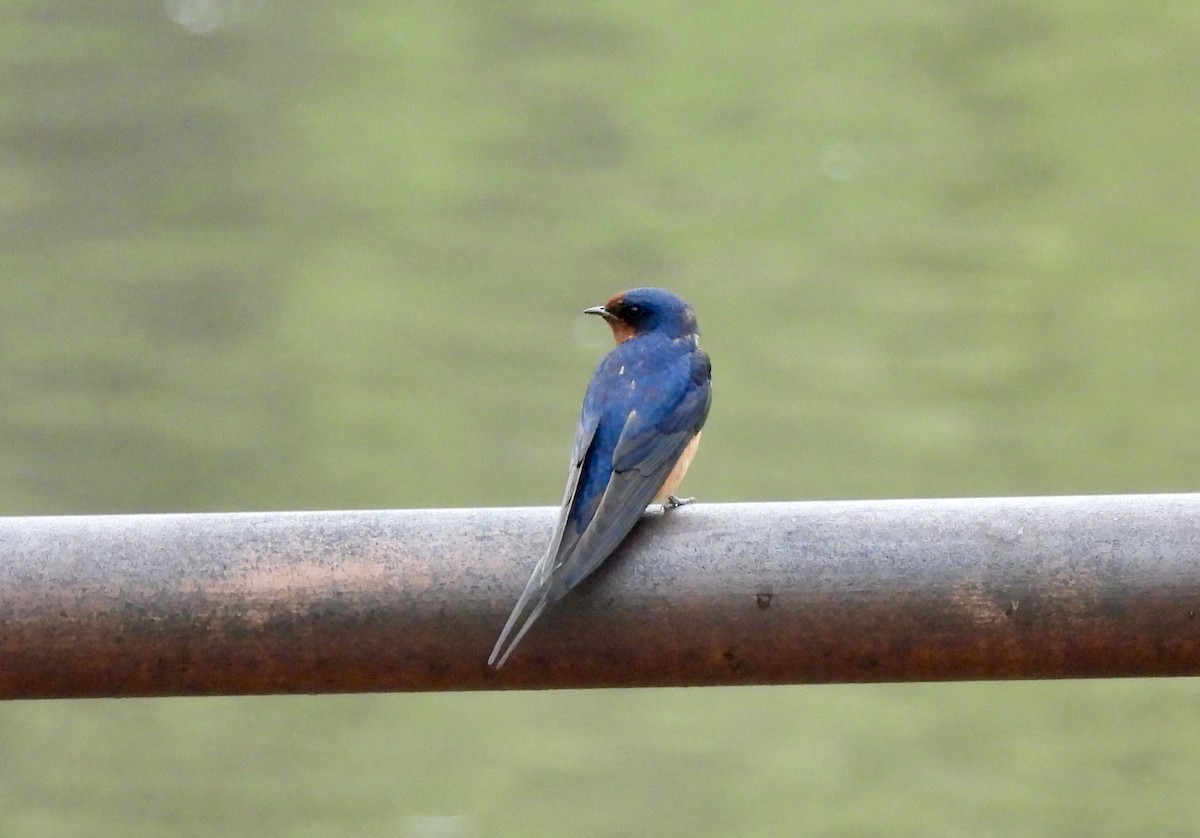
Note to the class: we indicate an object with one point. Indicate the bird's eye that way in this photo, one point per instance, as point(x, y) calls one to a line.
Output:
point(632, 310)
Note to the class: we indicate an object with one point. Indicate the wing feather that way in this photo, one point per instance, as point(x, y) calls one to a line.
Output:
point(645, 454)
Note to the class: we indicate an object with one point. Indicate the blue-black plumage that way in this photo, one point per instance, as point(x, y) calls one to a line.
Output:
point(638, 431)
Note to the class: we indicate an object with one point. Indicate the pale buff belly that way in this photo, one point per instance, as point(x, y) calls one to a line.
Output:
point(676, 476)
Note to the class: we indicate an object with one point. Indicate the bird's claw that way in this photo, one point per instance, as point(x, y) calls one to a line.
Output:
point(674, 502)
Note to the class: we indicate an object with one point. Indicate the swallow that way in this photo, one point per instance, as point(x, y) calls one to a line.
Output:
point(638, 432)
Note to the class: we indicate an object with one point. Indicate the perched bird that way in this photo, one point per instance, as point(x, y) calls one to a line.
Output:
point(638, 431)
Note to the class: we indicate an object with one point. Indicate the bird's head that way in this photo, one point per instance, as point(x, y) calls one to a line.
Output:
point(642, 310)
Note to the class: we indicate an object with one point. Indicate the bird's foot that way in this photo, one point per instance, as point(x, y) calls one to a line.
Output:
point(674, 502)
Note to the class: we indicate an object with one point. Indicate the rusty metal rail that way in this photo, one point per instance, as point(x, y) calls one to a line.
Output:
point(308, 602)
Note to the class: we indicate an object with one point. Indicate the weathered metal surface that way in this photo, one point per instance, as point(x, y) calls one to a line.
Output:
point(708, 594)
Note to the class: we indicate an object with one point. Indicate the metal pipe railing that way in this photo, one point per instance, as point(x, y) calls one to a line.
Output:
point(307, 602)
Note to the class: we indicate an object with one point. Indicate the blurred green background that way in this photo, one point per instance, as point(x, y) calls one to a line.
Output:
point(262, 255)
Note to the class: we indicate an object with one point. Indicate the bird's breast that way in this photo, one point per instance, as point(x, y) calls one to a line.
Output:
point(681, 466)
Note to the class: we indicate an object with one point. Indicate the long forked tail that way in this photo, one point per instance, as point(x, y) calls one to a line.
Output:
point(538, 584)
point(525, 626)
